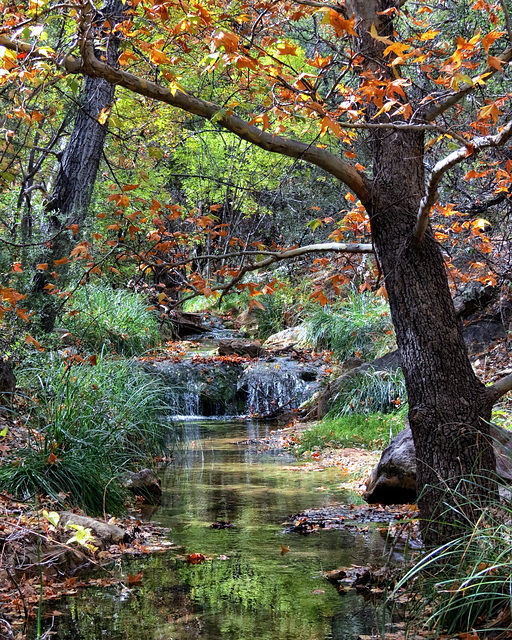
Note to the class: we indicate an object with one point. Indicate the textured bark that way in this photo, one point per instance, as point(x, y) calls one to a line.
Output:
point(448, 405)
point(78, 168)
point(449, 408)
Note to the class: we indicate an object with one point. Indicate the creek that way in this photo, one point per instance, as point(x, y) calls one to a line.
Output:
point(250, 587)
point(247, 589)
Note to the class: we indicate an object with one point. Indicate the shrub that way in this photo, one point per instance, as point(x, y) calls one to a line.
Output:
point(359, 326)
point(87, 425)
point(116, 320)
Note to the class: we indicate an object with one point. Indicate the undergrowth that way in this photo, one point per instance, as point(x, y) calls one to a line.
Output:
point(116, 320)
point(465, 584)
point(370, 392)
point(86, 424)
point(358, 326)
point(372, 432)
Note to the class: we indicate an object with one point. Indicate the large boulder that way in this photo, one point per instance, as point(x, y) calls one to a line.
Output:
point(393, 480)
point(285, 339)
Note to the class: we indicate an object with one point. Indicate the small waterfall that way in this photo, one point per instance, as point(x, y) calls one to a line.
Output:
point(211, 388)
point(203, 388)
point(279, 384)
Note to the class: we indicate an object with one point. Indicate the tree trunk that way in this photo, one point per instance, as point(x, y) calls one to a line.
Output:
point(72, 191)
point(449, 408)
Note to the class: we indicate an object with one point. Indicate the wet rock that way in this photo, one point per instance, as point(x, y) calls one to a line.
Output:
point(393, 480)
point(186, 324)
point(104, 534)
point(247, 348)
point(144, 483)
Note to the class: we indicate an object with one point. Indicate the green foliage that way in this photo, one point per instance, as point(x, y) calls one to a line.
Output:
point(116, 320)
point(370, 392)
point(359, 326)
point(467, 582)
point(373, 431)
point(87, 425)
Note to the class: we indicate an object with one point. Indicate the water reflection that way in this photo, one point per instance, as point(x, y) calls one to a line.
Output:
point(248, 590)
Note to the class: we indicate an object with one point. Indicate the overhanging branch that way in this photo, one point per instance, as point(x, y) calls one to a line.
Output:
point(443, 166)
point(344, 171)
point(500, 388)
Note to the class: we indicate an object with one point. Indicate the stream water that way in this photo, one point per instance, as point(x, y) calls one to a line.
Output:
point(247, 589)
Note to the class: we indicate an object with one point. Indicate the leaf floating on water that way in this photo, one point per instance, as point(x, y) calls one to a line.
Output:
point(284, 549)
point(196, 558)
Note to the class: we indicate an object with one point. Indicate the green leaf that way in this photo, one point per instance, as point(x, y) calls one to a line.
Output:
point(52, 517)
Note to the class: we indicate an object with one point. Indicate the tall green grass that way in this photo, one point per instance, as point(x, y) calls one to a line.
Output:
point(370, 392)
point(117, 320)
point(88, 424)
point(359, 326)
point(466, 583)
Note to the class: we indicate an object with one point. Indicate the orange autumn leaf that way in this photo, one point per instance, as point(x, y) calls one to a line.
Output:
point(196, 558)
point(42, 266)
point(30, 340)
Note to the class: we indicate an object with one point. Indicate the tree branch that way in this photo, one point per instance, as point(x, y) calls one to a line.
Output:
point(68, 62)
point(500, 388)
point(443, 166)
point(345, 172)
point(431, 113)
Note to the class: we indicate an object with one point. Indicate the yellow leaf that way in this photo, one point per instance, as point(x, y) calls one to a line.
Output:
point(375, 35)
point(104, 114)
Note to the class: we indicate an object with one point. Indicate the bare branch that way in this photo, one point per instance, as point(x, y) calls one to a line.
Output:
point(322, 5)
point(431, 113)
point(272, 257)
point(402, 127)
point(500, 388)
point(454, 158)
point(68, 62)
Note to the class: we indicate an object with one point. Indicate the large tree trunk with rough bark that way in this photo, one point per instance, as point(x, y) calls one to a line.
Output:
point(449, 408)
point(79, 164)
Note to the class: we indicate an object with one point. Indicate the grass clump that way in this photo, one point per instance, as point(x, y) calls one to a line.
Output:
point(116, 320)
point(465, 584)
point(87, 425)
point(372, 431)
point(359, 326)
point(370, 392)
